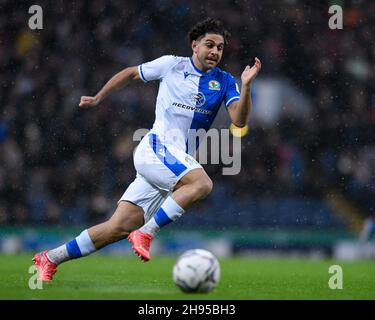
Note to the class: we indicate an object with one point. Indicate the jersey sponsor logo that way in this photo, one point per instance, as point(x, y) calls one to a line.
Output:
point(195, 109)
point(198, 99)
point(214, 85)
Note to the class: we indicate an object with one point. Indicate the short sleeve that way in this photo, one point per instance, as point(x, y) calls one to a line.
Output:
point(156, 69)
point(233, 91)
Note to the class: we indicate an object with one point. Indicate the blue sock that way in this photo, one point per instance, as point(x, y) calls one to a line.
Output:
point(168, 212)
point(76, 248)
point(80, 246)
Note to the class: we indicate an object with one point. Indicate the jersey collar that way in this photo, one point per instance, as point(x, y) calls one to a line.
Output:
point(201, 73)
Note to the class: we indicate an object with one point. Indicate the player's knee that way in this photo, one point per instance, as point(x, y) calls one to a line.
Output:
point(204, 186)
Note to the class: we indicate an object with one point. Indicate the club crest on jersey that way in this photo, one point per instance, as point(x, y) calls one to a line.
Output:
point(198, 98)
point(214, 85)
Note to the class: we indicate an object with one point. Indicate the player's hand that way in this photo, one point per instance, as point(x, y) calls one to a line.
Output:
point(249, 74)
point(87, 102)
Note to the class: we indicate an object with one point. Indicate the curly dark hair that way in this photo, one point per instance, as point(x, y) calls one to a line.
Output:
point(208, 25)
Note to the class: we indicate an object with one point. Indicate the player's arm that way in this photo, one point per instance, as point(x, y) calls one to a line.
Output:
point(118, 81)
point(239, 111)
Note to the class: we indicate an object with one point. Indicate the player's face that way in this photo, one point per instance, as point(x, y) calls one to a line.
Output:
point(208, 51)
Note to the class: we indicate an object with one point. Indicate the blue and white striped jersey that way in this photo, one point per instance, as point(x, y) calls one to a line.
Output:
point(188, 99)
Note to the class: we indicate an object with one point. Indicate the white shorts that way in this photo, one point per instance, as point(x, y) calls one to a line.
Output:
point(159, 168)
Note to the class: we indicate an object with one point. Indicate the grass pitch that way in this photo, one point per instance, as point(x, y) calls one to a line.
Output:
point(104, 277)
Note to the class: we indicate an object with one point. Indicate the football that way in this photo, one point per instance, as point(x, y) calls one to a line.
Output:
point(196, 271)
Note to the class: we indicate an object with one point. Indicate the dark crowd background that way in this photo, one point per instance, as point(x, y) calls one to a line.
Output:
point(61, 165)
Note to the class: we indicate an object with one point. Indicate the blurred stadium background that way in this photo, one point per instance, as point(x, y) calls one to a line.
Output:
point(307, 181)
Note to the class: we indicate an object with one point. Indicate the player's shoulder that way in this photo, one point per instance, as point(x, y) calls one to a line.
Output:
point(178, 63)
point(224, 75)
point(173, 59)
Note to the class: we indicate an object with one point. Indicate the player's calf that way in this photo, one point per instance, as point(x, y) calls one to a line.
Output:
point(201, 188)
point(194, 186)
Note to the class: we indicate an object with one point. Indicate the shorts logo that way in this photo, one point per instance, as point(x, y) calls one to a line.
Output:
point(214, 85)
point(161, 152)
point(190, 160)
point(198, 99)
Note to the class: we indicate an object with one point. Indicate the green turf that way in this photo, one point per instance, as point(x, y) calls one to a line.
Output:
point(103, 277)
